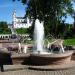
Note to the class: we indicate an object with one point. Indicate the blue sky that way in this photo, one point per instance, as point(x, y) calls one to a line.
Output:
point(7, 7)
point(69, 19)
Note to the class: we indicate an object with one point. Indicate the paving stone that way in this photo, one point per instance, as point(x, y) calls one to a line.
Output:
point(26, 71)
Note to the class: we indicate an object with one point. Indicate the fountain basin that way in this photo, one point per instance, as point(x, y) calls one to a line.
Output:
point(48, 59)
point(21, 58)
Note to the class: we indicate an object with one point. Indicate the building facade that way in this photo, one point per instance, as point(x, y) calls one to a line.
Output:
point(21, 22)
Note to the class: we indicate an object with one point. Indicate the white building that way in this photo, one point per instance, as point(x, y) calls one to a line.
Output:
point(21, 22)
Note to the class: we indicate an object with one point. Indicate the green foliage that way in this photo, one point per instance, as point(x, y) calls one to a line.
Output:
point(69, 31)
point(49, 8)
point(22, 31)
point(4, 28)
point(69, 41)
point(51, 12)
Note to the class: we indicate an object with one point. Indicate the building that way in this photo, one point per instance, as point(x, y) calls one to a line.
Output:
point(21, 22)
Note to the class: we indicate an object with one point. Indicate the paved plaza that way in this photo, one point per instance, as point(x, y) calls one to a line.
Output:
point(23, 70)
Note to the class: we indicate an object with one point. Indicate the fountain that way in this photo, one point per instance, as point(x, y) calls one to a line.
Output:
point(38, 37)
point(40, 56)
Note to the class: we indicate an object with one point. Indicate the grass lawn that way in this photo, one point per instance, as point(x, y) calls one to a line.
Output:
point(69, 41)
point(66, 41)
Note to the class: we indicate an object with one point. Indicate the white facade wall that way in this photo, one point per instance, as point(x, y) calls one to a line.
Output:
point(20, 22)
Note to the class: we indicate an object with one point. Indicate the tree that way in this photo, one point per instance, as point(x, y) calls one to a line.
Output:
point(4, 28)
point(54, 11)
point(50, 11)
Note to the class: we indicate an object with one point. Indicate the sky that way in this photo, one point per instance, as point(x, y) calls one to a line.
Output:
point(69, 19)
point(8, 6)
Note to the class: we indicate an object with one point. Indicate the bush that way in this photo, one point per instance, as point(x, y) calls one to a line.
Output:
point(22, 31)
